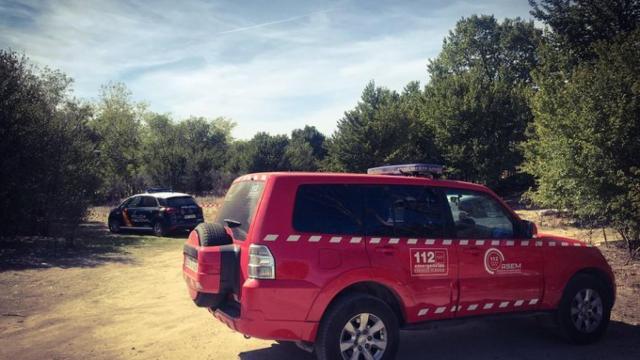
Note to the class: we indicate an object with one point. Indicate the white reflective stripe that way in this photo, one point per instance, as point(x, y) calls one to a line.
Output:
point(552, 243)
point(441, 309)
point(423, 312)
point(412, 241)
point(504, 304)
point(464, 242)
point(355, 240)
point(446, 242)
point(538, 243)
point(374, 241)
point(293, 238)
point(472, 307)
point(510, 243)
point(495, 242)
point(577, 244)
point(479, 242)
point(455, 308)
point(394, 240)
point(271, 237)
point(430, 242)
point(518, 303)
point(565, 243)
point(315, 238)
point(487, 306)
point(525, 243)
point(335, 239)
point(533, 301)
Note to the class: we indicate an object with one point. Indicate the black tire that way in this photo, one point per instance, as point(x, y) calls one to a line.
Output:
point(212, 235)
point(159, 229)
point(333, 328)
point(577, 320)
point(114, 226)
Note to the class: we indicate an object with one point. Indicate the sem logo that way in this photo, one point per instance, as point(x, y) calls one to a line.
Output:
point(494, 263)
point(493, 259)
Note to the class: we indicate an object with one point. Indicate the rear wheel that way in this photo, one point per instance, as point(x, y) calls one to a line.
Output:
point(358, 327)
point(114, 226)
point(585, 309)
point(159, 229)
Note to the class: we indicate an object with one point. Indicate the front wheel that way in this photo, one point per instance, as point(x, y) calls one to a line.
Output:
point(585, 309)
point(358, 327)
point(114, 226)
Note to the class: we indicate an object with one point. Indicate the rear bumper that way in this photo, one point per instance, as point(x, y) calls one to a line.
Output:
point(184, 225)
point(253, 323)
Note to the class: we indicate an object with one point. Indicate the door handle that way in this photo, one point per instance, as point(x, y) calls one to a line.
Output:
point(387, 250)
point(473, 250)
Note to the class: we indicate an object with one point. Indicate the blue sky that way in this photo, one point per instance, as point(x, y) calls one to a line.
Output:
point(268, 65)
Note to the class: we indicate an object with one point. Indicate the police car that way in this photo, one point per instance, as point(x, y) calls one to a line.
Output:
point(339, 263)
point(159, 210)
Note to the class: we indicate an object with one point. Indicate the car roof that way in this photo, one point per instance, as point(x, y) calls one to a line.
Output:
point(365, 178)
point(164, 195)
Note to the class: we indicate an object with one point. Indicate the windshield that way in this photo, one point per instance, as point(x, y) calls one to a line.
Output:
point(240, 206)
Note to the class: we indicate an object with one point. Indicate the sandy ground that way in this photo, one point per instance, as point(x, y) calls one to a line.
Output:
point(126, 299)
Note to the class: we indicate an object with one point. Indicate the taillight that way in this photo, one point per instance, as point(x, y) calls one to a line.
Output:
point(261, 263)
point(169, 210)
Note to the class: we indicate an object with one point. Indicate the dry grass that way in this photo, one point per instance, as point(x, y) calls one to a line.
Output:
point(563, 226)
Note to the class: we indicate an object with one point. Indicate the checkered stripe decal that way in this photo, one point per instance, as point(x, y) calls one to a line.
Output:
point(518, 304)
point(295, 238)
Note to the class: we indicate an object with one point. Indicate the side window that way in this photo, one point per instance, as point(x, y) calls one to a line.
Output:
point(477, 215)
point(135, 202)
point(328, 209)
point(148, 201)
point(404, 211)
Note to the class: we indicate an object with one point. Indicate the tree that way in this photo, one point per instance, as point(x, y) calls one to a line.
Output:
point(584, 145)
point(476, 101)
point(187, 156)
point(306, 150)
point(118, 122)
point(577, 24)
point(204, 144)
point(367, 135)
point(265, 152)
point(49, 168)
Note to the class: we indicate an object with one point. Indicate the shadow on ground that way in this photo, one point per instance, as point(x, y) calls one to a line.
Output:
point(520, 338)
point(94, 245)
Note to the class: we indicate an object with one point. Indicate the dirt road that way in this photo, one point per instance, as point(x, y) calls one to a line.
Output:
point(131, 303)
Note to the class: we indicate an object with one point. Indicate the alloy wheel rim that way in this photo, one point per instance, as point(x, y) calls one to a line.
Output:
point(587, 310)
point(364, 336)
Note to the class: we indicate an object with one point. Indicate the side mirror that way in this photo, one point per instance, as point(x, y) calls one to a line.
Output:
point(529, 229)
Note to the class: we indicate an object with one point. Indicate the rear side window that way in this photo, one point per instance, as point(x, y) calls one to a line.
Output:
point(179, 201)
point(404, 211)
point(240, 206)
point(328, 209)
point(148, 201)
point(478, 215)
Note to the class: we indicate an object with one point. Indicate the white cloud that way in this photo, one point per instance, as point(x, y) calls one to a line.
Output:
point(268, 67)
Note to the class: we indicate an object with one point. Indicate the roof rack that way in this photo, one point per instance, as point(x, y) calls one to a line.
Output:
point(158, 190)
point(423, 170)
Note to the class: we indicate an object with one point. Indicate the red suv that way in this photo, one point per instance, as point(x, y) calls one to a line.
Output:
point(338, 263)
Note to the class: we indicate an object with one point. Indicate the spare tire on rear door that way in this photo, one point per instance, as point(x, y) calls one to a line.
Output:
point(212, 235)
point(216, 271)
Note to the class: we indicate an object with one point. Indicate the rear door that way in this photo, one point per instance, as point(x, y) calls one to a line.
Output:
point(499, 271)
point(147, 211)
point(407, 237)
